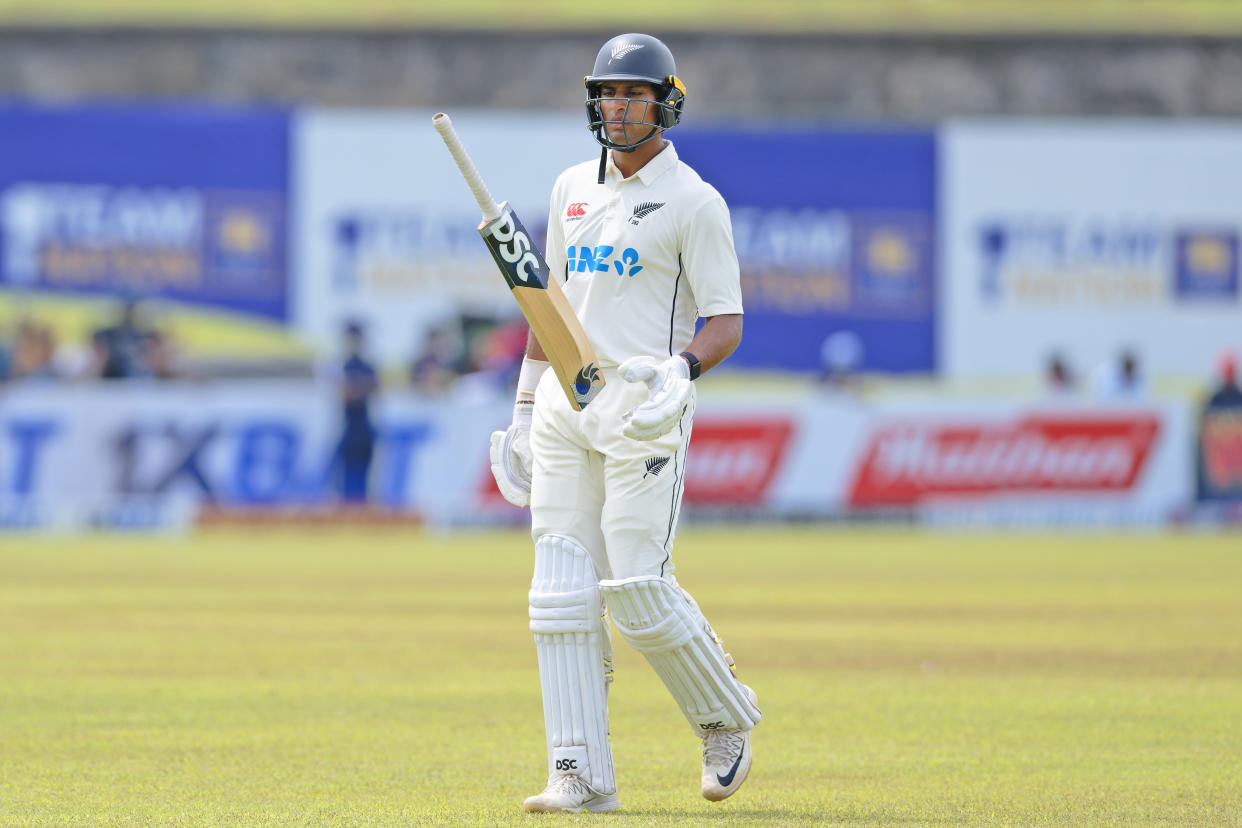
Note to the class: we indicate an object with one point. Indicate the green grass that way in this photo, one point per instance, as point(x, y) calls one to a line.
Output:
point(386, 677)
point(1157, 16)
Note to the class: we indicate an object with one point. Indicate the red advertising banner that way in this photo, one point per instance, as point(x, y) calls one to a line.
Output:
point(908, 462)
point(734, 460)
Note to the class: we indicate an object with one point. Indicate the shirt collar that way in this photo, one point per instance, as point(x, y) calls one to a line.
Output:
point(665, 160)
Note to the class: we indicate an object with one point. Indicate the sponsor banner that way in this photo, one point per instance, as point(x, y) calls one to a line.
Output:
point(141, 452)
point(1087, 239)
point(835, 231)
point(184, 204)
point(907, 463)
point(385, 226)
point(237, 444)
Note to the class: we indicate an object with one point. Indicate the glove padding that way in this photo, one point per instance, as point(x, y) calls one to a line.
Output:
point(512, 463)
point(668, 388)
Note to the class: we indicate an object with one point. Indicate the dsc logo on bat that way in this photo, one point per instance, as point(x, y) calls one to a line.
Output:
point(514, 252)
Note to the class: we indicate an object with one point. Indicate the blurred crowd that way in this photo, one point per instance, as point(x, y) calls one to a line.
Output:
point(127, 348)
point(453, 357)
point(1120, 378)
point(462, 353)
point(468, 353)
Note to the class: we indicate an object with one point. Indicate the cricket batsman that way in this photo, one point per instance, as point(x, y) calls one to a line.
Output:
point(642, 247)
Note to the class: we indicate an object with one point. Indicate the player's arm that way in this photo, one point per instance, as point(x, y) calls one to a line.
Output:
point(711, 266)
point(533, 349)
point(719, 337)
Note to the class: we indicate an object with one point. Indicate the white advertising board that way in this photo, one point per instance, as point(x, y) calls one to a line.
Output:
point(383, 229)
point(1087, 239)
point(259, 445)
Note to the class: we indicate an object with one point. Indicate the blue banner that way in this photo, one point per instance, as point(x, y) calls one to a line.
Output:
point(185, 203)
point(835, 232)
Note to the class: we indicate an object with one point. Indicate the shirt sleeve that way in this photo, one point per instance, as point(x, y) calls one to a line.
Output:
point(554, 243)
point(711, 260)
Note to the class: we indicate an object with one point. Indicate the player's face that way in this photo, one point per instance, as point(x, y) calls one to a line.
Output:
point(629, 110)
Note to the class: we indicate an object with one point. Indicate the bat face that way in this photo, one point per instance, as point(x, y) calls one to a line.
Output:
point(515, 254)
point(551, 318)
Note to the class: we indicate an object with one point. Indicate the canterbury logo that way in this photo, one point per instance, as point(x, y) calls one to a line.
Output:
point(655, 465)
point(645, 209)
point(622, 49)
point(576, 210)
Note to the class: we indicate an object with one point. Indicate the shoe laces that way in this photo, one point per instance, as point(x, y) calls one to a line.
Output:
point(568, 784)
point(722, 747)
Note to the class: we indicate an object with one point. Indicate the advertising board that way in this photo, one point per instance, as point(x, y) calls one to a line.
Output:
point(186, 204)
point(264, 445)
point(1089, 239)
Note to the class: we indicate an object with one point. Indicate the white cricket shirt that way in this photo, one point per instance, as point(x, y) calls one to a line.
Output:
point(642, 257)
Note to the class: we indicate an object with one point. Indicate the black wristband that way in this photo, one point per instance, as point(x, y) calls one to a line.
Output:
point(695, 367)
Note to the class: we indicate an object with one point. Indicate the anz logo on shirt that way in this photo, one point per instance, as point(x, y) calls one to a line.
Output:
point(584, 259)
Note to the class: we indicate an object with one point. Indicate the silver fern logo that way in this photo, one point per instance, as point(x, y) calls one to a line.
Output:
point(645, 209)
point(587, 384)
point(622, 49)
point(655, 465)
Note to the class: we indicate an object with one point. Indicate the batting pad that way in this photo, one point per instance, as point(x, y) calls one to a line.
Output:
point(660, 621)
point(575, 661)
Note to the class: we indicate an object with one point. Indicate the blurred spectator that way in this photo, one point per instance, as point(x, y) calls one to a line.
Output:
point(840, 358)
point(1130, 380)
point(118, 349)
point(496, 355)
point(104, 362)
point(438, 364)
point(1059, 378)
point(1122, 379)
point(6, 356)
point(34, 346)
point(1226, 393)
point(359, 383)
point(160, 359)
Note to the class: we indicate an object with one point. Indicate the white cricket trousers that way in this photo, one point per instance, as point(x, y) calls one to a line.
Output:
point(618, 497)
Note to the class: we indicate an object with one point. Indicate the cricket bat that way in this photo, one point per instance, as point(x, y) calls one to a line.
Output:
point(541, 299)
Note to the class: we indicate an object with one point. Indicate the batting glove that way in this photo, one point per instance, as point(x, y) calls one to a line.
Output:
point(511, 458)
point(668, 389)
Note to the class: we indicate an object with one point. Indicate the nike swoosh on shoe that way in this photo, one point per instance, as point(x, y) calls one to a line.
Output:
point(727, 780)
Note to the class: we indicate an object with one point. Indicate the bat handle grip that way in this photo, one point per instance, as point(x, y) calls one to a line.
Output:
point(444, 125)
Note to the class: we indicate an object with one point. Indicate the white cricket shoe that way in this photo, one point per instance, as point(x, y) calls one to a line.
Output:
point(568, 793)
point(726, 759)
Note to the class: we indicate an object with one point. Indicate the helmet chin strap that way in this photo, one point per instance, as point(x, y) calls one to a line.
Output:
point(603, 154)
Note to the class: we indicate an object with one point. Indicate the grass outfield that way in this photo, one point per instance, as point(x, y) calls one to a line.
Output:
point(1154, 16)
point(386, 677)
